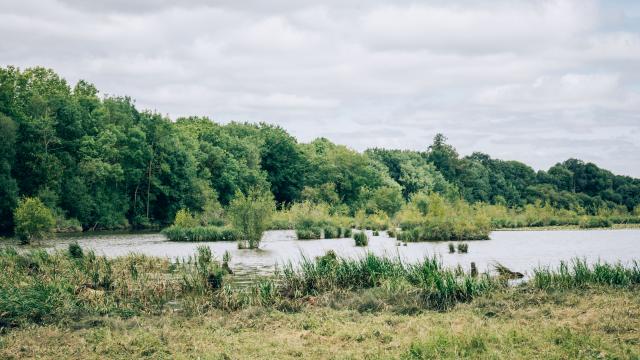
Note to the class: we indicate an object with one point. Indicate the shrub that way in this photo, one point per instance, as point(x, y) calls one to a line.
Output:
point(184, 219)
point(595, 222)
point(33, 220)
point(361, 238)
point(75, 251)
point(251, 215)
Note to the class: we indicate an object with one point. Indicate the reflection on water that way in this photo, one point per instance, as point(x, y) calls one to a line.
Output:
point(519, 250)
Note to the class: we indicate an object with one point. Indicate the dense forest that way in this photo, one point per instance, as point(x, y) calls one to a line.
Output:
point(100, 163)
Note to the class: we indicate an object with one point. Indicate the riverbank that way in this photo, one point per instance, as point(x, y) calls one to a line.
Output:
point(597, 322)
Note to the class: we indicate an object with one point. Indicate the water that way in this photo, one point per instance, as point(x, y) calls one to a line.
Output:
point(519, 250)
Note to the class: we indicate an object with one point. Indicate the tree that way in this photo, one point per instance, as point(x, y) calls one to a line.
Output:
point(8, 185)
point(251, 214)
point(33, 220)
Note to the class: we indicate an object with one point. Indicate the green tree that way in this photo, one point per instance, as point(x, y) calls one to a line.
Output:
point(251, 214)
point(34, 221)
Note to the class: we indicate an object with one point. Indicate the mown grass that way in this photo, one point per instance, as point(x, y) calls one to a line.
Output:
point(201, 233)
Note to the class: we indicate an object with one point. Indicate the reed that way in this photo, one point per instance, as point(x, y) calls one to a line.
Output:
point(578, 273)
point(201, 233)
point(463, 248)
point(309, 233)
point(452, 248)
point(361, 238)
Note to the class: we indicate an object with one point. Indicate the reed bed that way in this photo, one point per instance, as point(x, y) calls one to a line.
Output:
point(578, 273)
point(201, 233)
point(361, 238)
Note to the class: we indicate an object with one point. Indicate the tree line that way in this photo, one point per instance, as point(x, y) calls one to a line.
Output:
point(98, 162)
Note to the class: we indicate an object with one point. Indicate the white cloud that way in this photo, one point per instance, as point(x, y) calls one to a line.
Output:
point(501, 77)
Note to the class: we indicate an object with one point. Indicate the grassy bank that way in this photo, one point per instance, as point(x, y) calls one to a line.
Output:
point(137, 306)
point(592, 323)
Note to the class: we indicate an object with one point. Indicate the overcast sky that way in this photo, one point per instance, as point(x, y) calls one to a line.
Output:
point(535, 81)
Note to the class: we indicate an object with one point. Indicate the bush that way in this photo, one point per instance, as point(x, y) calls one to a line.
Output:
point(75, 251)
point(251, 215)
point(184, 219)
point(346, 232)
point(595, 222)
point(361, 238)
point(33, 220)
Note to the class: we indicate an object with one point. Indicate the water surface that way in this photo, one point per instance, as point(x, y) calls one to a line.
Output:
point(519, 250)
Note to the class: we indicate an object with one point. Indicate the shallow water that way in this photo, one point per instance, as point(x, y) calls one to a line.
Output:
point(519, 250)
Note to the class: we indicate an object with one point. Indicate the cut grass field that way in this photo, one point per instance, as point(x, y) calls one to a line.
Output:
point(599, 322)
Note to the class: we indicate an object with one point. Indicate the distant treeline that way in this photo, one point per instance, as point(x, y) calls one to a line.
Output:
point(99, 163)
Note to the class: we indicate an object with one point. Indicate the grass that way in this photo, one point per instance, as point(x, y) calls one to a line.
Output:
point(579, 274)
point(201, 233)
point(511, 324)
point(63, 304)
point(309, 233)
point(361, 238)
point(463, 248)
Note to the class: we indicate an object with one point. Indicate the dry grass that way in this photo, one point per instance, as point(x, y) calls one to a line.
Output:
point(516, 323)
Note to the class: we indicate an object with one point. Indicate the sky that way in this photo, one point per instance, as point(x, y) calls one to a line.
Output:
point(537, 81)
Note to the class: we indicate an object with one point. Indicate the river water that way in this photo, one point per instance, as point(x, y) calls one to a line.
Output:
point(519, 250)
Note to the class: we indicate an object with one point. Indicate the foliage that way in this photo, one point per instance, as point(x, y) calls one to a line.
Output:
point(33, 220)
point(98, 162)
point(251, 214)
point(184, 219)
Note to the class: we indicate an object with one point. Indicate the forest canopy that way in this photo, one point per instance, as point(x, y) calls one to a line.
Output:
point(98, 162)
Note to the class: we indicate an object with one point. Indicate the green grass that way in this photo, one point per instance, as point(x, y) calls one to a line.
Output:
point(361, 238)
point(595, 222)
point(309, 233)
point(463, 248)
point(201, 233)
point(578, 273)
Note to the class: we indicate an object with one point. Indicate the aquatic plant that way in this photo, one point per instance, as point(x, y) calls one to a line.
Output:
point(578, 273)
point(201, 233)
point(309, 233)
point(452, 248)
point(361, 238)
point(463, 248)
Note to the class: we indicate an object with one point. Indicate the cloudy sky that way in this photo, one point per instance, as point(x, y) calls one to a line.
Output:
point(535, 81)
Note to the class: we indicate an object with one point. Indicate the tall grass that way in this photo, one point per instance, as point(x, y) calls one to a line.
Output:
point(201, 233)
point(361, 238)
point(436, 287)
point(578, 273)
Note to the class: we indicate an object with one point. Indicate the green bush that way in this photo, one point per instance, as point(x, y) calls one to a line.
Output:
point(251, 215)
point(361, 238)
point(595, 222)
point(34, 221)
point(184, 219)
